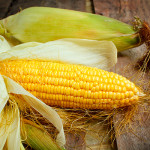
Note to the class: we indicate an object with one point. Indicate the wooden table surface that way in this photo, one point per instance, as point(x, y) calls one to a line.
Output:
point(123, 10)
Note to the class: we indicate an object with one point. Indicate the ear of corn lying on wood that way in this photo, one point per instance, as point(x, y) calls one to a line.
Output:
point(43, 24)
point(71, 86)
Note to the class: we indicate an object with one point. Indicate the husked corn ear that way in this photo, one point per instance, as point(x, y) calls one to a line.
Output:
point(71, 86)
point(43, 24)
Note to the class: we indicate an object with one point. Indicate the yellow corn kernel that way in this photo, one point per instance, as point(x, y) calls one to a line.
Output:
point(56, 86)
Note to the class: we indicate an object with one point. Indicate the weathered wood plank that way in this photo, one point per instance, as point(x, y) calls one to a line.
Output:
point(4, 7)
point(75, 141)
point(138, 137)
point(125, 10)
point(66, 4)
point(139, 140)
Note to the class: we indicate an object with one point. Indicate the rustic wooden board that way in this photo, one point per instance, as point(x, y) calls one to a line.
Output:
point(137, 139)
point(125, 10)
point(75, 141)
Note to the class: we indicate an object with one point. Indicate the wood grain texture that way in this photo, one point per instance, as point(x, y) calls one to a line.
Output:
point(4, 7)
point(137, 138)
point(17, 5)
point(125, 10)
point(75, 141)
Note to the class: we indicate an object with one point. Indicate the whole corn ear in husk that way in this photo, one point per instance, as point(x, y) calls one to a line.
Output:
point(37, 137)
point(43, 24)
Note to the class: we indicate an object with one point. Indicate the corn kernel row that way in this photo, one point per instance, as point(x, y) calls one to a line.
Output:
point(71, 86)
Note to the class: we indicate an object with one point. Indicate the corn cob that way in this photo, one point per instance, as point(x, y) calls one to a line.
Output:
point(43, 24)
point(71, 86)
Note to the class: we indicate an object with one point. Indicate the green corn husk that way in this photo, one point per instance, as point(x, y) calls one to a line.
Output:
point(37, 137)
point(43, 24)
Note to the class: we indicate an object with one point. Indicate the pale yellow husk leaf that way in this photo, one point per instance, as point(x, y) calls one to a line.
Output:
point(4, 45)
point(10, 128)
point(100, 54)
point(13, 138)
point(21, 146)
